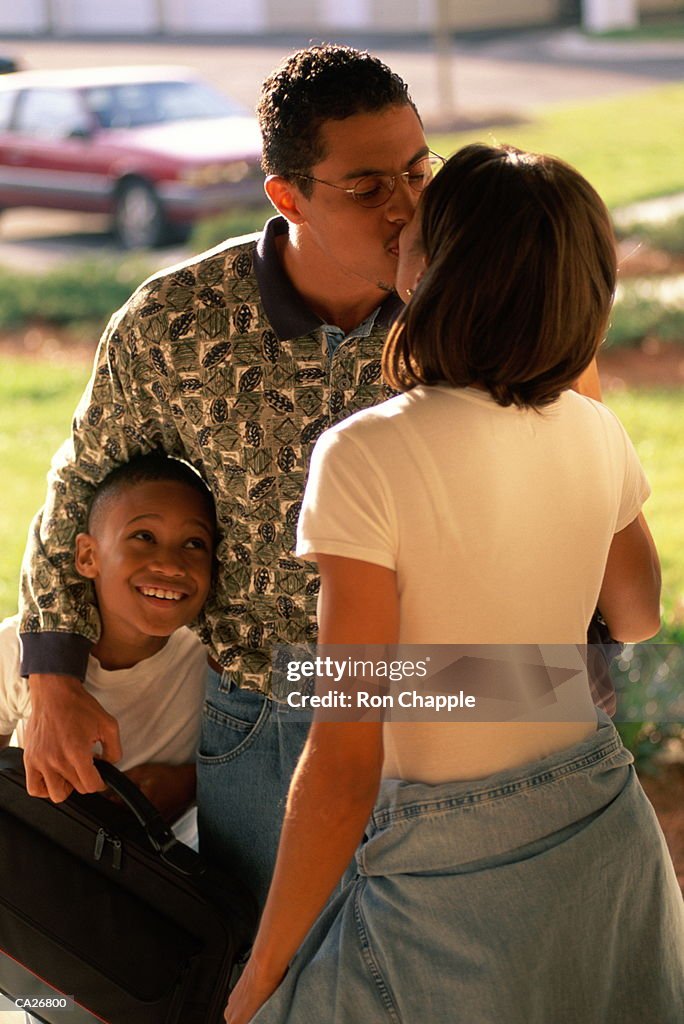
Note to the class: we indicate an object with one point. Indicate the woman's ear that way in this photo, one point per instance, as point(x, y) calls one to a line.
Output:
point(421, 267)
point(285, 197)
point(420, 275)
point(86, 559)
point(407, 293)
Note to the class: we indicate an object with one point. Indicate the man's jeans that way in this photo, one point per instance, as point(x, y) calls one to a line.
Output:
point(248, 751)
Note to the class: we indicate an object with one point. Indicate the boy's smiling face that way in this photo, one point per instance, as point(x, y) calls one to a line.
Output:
point(150, 555)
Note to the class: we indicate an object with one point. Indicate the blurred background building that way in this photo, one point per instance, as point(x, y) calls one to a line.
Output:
point(249, 17)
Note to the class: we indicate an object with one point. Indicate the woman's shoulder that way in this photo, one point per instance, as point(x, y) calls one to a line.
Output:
point(582, 407)
point(377, 421)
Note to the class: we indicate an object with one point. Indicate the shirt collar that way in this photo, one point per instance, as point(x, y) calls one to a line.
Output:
point(285, 309)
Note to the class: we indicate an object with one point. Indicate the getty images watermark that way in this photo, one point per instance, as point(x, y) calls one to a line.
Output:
point(481, 682)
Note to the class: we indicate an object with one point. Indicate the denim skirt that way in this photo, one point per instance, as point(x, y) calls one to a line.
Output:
point(538, 895)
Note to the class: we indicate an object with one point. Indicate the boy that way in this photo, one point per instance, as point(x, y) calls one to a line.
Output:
point(148, 550)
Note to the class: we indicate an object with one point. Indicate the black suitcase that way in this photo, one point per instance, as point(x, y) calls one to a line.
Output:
point(100, 903)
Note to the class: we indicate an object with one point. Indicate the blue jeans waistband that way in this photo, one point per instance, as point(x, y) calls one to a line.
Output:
point(433, 827)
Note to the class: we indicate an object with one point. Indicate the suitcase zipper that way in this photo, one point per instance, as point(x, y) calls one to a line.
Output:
point(103, 837)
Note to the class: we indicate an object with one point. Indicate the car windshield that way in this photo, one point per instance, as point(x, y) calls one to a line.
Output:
point(143, 103)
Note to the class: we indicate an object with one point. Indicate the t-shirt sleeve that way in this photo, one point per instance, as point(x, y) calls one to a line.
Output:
point(635, 486)
point(347, 509)
point(14, 692)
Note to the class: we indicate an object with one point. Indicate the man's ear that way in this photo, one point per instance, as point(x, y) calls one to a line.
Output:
point(86, 559)
point(285, 197)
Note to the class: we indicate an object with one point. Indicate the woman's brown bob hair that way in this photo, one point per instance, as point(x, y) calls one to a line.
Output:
point(520, 278)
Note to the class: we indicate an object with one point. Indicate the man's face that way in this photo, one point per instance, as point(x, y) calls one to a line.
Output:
point(150, 555)
point(363, 242)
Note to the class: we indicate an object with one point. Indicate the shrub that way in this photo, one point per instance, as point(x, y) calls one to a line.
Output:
point(667, 235)
point(649, 679)
point(647, 308)
point(74, 293)
point(215, 230)
point(86, 294)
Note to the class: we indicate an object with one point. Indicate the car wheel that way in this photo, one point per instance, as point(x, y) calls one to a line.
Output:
point(138, 216)
point(177, 234)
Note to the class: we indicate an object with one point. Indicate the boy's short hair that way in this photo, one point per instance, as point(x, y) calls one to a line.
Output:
point(321, 83)
point(152, 468)
point(520, 278)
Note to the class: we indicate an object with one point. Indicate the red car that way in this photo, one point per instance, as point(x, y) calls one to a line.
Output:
point(156, 147)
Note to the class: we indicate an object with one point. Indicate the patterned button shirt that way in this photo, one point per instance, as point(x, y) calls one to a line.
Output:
point(216, 361)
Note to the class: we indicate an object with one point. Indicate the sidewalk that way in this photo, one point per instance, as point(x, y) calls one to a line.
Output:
point(653, 211)
point(516, 74)
point(508, 77)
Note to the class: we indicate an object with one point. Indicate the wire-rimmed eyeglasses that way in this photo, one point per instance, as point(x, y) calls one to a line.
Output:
point(375, 189)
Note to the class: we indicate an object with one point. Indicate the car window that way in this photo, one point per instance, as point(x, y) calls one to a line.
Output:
point(146, 103)
point(50, 113)
point(102, 103)
point(176, 101)
point(6, 106)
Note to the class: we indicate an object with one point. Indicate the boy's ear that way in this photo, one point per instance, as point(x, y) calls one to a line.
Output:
point(85, 559)
point(285, 197)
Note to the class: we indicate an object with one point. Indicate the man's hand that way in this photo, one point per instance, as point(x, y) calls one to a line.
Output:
point(170, 787)
point(65, 724)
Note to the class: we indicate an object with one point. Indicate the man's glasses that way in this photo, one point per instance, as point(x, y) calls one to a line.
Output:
point(375, 189)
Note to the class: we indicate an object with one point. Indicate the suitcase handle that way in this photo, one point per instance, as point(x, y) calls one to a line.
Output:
point(158, 833)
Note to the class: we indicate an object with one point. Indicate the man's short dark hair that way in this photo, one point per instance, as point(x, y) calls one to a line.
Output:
point(321, 83)
point(156, 467)
point(520, 277)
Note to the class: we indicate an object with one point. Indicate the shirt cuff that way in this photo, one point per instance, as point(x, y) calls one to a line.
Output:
point(51, 653)
point(345, 549)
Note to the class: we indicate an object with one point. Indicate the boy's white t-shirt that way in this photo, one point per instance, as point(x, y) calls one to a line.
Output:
point(157, 702)
point(497, 521)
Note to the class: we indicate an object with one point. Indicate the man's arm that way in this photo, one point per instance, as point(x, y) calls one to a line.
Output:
point(117, 417)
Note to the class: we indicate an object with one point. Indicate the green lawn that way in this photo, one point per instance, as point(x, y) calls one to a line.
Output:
point(37, 399)
point(629, 147)
point(653, 420)
point(660, 29)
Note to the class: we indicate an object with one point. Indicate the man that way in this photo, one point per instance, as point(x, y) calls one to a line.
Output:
point(236, 361)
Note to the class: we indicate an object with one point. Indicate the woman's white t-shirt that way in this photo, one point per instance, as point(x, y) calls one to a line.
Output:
point(497, 521)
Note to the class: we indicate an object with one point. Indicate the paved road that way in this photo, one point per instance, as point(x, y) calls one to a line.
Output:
point(37, 240)
point(517, 73)
point(510, 76)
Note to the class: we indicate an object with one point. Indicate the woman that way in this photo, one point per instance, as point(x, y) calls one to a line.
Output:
point(510, 871)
